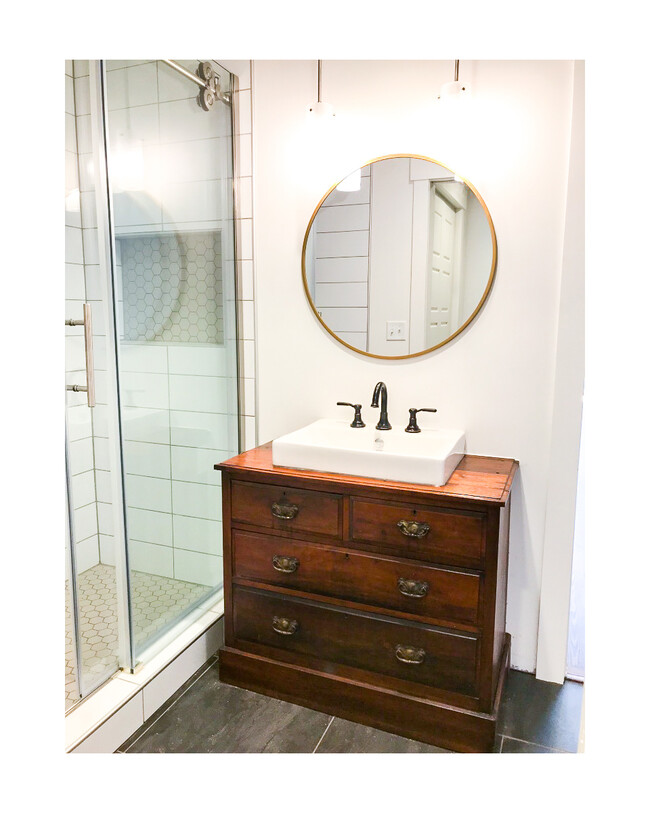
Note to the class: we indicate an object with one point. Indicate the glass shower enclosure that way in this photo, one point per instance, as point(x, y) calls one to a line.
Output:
point(151, 359)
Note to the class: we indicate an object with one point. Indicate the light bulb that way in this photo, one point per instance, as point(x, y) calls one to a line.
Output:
point(351, 183)
point(453, 90)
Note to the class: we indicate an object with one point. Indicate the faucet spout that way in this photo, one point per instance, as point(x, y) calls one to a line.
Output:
point(381, 390)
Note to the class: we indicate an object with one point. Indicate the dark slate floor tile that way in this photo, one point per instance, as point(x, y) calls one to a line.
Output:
point(345, 737)
point(542, 713)
point(212, 717)
point(511, 746)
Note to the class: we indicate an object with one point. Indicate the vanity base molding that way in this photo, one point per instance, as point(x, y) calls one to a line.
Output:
point(376, 601)
point(446, 726)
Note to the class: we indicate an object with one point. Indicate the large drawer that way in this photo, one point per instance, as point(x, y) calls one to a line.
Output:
point(437, 593)
point(419, 532)
point(388, 646)
point(286, 509)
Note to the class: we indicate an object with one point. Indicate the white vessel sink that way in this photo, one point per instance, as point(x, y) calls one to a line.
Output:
point(428, 457)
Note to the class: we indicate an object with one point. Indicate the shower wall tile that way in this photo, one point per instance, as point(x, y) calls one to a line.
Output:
point(245, 279)
point(87, 553)
point(147, 425)
point(84, 135)
point(148, 558)
point(193, 360)
point(122, 124)
point(188, 202)
point(75, 286)
point(107, 550)
point(105, 521)
point(197, 393)
point(148, 492)
point(200, 568)
point(143, 358)
point(70, 134)
point(177, 164)
point(197, 465)
point(200, 535)
point(69, 95)
point(103, 485)
point(85, 522)
point(79, 423)
point(195, 500)
point(82, 95)
point(172, 85)
point(150, 526)
point(199, 429)
point(73, 246)
point(83, 489)
point(133, 86)
point(144, 390)
point(80, 455)
point(148, 459)
point(81, 67)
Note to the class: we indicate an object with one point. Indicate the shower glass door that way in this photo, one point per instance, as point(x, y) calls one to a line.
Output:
point(150, 256)
point(170, 171)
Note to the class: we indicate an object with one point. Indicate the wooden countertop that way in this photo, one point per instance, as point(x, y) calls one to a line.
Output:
point(483, 479)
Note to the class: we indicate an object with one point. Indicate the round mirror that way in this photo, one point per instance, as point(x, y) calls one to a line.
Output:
point(399, 257)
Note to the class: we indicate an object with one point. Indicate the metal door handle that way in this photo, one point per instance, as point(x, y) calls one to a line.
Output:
point(87, 323)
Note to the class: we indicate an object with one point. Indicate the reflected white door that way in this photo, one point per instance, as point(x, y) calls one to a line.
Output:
point(441, 268)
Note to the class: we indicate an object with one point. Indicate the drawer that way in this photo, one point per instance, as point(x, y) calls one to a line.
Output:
point(384, 645)
point(444, 595)
point(286, 509)
point(439, 535)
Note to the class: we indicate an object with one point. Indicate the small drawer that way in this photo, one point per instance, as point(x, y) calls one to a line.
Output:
point(420, 532)
point(434, 593)
point(388, 646)
point(286, 509)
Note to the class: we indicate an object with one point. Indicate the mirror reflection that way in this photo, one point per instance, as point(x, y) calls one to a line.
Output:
point(399, 257)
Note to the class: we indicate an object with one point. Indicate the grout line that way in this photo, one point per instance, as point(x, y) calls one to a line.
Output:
point(528, 742)
point(154, 721)
point(324, 733)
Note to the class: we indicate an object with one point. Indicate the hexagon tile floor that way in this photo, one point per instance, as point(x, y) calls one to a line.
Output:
point(156, 600)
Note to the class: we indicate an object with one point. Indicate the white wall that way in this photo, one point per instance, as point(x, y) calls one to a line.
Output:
point(511, 140)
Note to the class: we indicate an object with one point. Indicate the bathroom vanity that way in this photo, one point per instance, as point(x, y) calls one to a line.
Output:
point(373, 600)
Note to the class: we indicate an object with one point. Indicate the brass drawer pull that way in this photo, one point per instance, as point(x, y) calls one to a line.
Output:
point(412, 588)
point(284, 626)
point(409, 654)
point(285, 564)
point(284, 510)
point(409, 527)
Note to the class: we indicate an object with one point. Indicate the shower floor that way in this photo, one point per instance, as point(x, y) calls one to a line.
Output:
point(156, 600)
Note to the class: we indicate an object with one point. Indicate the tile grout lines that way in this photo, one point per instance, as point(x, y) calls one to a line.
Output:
point(323, 735)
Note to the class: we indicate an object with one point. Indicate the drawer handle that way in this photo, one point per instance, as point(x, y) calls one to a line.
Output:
point(412, 588)
point(285, 564)
point(409, 527)
point(284, 626)
point(409, 654)
point(284, 510)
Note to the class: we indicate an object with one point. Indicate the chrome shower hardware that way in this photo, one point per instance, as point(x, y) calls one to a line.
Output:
point(207, 80)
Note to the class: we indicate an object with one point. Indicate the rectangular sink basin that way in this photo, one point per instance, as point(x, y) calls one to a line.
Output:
point(428, 457)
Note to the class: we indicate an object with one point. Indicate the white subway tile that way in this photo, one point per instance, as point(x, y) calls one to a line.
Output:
point(358, 340)
point(144, 390)
point(184, 120)
point(85, 522)
point(245, 271)
point(105, 518)
point(248, 392)
point(155, 559)
point(69, 96)
point(107, 550)
point(247, 319)
point(141, 358)
point(195, 500)
point(103, 484)
point(88, 210)
point(102, 459)
point(138, 208)
point(192, 360)
point(91, 248)
point(242, 69)
point(148, 459)
point(83, 489)
point(132, 128)
point(150, 526)
point(200, 535)
point(84, 134)
point(338, 198)
point(244, 155)
point(249, 440)
point(193, 201)
point(81, 67)
point(198, 393)
point(247, 350)
point(75, 356)
point(200, 429)
point(197, 465)
point(132, 87)
point(87, 553)
point(148, 492)
point(200, 568)
point(172, 85)
point(75, 287)
point(82, 95)
point(73, 246)
point(70, 134)
point(79, 422)
point(80, 455)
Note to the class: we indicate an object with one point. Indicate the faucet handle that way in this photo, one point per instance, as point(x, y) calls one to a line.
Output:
point(413, 423)
point(357, 423)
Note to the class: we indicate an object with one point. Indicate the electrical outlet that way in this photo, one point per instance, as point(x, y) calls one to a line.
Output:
point(395, 331)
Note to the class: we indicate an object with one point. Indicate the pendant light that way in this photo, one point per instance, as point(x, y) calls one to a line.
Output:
point(455, 89)
point(321, 110)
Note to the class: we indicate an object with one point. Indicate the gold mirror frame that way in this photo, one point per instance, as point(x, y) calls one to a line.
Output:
point(473, 315)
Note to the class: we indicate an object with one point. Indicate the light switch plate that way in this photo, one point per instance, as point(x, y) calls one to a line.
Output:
point(395, 331)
